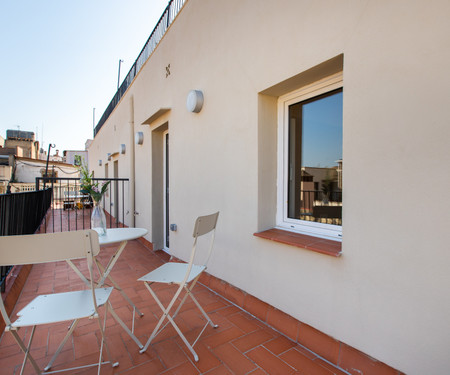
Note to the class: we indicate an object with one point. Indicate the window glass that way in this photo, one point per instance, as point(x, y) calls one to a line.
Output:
point(77, 160)
point(314, 174)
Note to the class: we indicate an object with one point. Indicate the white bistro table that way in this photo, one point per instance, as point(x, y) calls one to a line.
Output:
point(120, 236)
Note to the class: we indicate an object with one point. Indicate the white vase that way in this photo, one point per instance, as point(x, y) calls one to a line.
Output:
point(98, 219)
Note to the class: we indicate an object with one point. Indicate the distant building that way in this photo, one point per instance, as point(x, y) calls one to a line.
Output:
point(75, 157)
point(21, 143)
point(78, 157)
point(56, 157)
point(28, 169)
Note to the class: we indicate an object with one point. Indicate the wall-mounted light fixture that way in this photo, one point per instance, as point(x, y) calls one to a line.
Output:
point(139, 138)
point(100, 163)
point(123, 148)
point(109, 156)
point(194, 102)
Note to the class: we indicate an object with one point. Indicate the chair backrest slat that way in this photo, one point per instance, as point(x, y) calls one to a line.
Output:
point(205, 224)
point(48, 247)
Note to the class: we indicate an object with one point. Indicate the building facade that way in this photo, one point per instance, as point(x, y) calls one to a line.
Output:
point(27, 170)
point(222, 117)
point(76, 157)
point(23, 142)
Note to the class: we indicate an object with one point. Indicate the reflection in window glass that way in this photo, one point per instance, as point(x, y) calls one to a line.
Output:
point(315, 159)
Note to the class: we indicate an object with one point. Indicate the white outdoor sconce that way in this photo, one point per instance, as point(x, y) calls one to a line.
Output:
point(194, 102)
point(123, 149)
point(109, 156)
point(100, 163)
point(139, 138)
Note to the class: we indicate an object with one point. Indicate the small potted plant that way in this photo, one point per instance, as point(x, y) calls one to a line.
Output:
point(96, 190)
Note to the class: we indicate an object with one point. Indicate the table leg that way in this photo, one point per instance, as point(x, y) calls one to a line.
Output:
point(116, 286)
point(111, 263)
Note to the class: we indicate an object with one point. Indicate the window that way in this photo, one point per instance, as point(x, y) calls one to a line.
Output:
point(310, 159)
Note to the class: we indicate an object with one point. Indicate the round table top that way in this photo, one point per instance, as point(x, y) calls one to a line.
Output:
point(121, 234)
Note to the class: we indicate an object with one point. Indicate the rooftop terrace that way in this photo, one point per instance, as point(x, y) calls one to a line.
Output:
point(241, 344)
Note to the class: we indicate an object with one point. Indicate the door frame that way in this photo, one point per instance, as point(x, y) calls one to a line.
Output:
point(166, 189)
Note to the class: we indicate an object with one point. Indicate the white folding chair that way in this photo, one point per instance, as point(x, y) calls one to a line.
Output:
point(59, 307)
point(186, 276)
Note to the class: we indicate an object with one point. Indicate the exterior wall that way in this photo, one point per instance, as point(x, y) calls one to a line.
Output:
point(5, 173)
point(17, 151)
point(30, 148)
point(386, 295)
point(28, 169)
point(69, 156)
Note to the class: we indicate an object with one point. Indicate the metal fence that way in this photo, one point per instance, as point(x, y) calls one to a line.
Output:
point(315, 205)
point(71, 209)
point(158, 32)
point(21, 213)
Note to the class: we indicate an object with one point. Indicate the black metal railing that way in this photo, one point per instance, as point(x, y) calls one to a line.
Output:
point(71, 209)
point(158, 32)
point(315, 205)
point(311, 198)
point(21, 213)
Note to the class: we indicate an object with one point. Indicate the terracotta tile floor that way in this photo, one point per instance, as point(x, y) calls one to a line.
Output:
point(240, 345)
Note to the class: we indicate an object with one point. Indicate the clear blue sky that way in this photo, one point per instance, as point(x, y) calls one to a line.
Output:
point(322, 132)
point(59, 59)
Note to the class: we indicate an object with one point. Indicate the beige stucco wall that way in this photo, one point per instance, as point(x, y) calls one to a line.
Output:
point(388, 294)
point(5, 173)
point(30, 149)
point(28, 169)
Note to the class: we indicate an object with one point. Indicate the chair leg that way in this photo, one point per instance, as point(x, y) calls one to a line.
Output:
point(26, 350)
point(116, 286)
point(208, 319)
point(104, 342)
point(170, 318)
point(70, 332)
point(124, 326)
point(165, 311)
point(157, 330)
point(63, 342)
point(186, 342)
point(189, 293)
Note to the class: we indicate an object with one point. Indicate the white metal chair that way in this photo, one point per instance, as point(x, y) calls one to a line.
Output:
point(59, 307)
point(186, 276)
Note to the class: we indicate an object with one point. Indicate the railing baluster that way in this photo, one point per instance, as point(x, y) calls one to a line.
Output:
point(65, 185)
point(123, 202)
point(76, 204)
point(59, 199)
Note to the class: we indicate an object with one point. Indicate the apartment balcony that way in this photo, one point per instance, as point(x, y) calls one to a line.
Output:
point(260, 342)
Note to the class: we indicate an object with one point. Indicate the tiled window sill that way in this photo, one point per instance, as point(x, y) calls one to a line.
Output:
point(319, 245)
